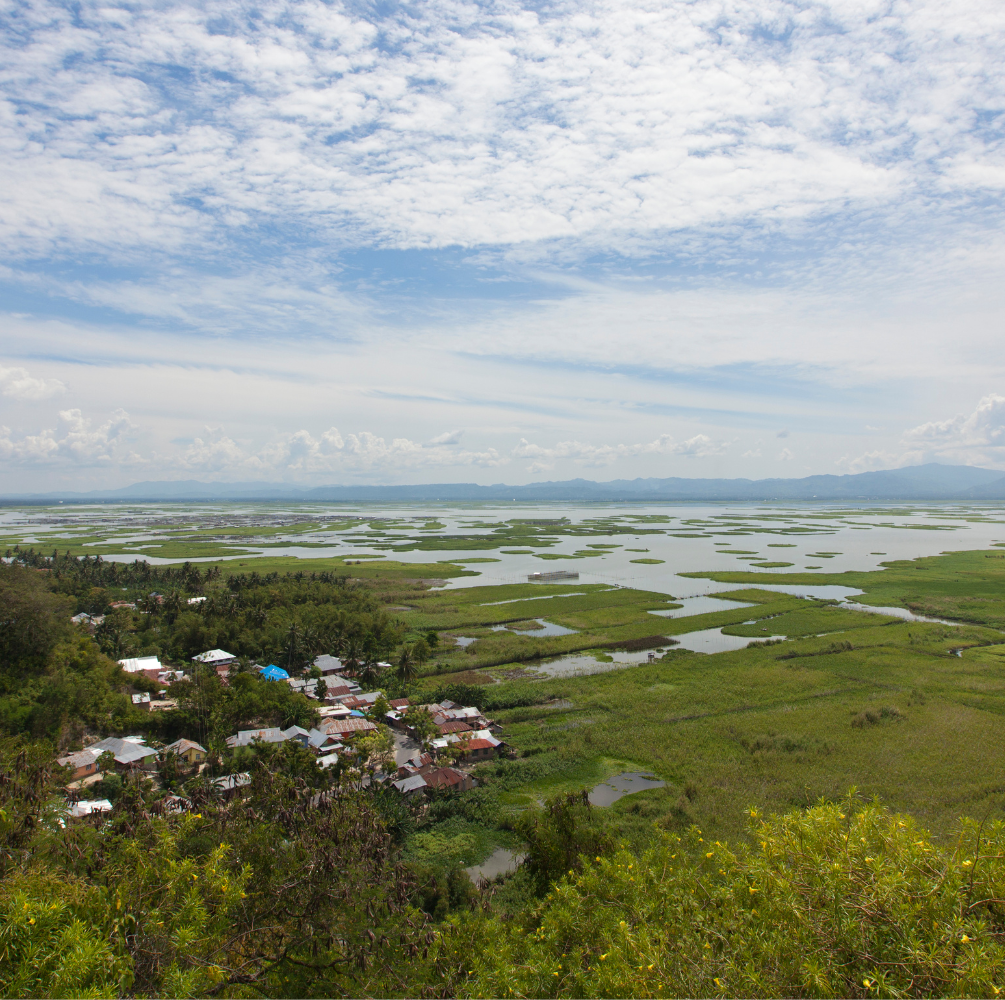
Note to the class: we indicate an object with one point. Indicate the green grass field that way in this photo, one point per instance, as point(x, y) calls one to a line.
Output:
point(852, 699)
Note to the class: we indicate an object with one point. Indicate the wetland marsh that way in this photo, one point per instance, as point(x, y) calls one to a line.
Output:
point(734, 680)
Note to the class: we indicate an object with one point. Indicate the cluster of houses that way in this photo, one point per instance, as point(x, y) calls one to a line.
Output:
point(130, 753)
point(462, 733)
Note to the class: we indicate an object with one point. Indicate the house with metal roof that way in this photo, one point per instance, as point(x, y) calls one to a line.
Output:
point(328, 664)
point(129, 753)
point(189, 750)
point(450, 778)
point(150, 666)
point(346, 727)
point(272, 734)
point(216, 658)
point(476, 750)
point(84, 762)
point(414, 784)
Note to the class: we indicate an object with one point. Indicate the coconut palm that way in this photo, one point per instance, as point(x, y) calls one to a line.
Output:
point(293, 642)
point(369, 674)
point(407, 671)
point(353, 656)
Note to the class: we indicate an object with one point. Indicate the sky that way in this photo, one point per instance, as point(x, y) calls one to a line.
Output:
point(457, 241)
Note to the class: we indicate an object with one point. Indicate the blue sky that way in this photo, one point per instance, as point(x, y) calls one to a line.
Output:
point(458, 241)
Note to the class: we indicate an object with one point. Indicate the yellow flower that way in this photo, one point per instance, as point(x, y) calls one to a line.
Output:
point(603, 957)
point(870, 859)
point(31, 920)
point(649, 966)
point(964, 939)
point(752, 890)
point(707, 945)
point(966, 864)
point(867, 983)
point(717, 982)
point(598, 857)
point(709, 854)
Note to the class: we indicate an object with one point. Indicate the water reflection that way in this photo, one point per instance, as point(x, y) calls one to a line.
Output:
point(713, 640)
point(546, 629)
point(626, 783)
point(499, 862)
point(700, 605)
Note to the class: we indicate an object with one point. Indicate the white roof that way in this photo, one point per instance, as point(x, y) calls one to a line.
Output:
point(333, 712)
point(214, 656)
point(86, 808)
point(135, 664)
point(195, 600)
point(480, 734)
point(328, 760)
point(411, 784)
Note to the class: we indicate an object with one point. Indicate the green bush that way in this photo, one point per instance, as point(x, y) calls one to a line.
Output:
point(840, 900)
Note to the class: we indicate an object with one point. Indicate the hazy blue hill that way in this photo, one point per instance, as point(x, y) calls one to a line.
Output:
point(918, 482)
point(994, 490)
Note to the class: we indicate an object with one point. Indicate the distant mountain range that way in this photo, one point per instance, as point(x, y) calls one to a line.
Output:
point(918, 482)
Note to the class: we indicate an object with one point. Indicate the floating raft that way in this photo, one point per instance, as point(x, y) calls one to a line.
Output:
point(548, 577)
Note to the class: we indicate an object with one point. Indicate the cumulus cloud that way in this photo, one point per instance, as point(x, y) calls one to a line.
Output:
point(19, 384)
point(302, 454)
point(972, 439)
point(448, 437)
point(74, 441)
point(977, 438)
point(699, 446)
point(785, 455)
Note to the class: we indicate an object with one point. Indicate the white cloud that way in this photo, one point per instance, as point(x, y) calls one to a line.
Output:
point(977, 438)
point(785, 455)
point(301, 454)
point(19, 384)
point(974, 439)
point(873, 461)
point(495, 123)
point(448, 437)
point(699, 446)
point(73, 442)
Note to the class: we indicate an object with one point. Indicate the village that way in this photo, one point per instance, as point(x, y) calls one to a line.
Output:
point(415, 749)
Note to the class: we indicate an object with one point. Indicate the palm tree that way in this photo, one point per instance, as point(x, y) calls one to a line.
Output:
point(406, 666)
point(369, 674)
point(353, 657)
point(292, 645)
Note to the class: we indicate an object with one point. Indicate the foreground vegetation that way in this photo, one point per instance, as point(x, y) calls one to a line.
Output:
point(751, 872)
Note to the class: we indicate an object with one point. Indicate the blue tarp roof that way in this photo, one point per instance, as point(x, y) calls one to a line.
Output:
point(357, 713)
point(274, 673)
